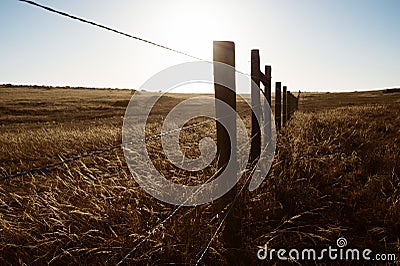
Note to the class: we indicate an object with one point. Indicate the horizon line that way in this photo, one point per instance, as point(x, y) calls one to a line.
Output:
point(13, 85)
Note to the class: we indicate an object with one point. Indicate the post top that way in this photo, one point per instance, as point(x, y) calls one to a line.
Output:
point(223, 43)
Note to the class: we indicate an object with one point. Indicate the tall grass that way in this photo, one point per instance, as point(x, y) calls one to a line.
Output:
point(336, 173)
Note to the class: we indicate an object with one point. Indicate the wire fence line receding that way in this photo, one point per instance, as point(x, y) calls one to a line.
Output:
point(109, 28)
point(108, 149)
point(96, 24)
point(61, 162)
point(255, 76)
point(97, 152)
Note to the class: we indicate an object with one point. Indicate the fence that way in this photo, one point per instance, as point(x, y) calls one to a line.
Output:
point(224, 52)
point(285, 105)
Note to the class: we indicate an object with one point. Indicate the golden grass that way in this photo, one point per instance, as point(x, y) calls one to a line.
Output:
point(336, 173)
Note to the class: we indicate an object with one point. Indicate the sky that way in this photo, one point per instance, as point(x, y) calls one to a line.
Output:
point(312, 45)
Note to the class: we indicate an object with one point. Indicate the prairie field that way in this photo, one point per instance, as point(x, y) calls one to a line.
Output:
point(336, 173)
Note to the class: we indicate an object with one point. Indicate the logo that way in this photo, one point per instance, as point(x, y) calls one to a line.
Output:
point(330, 253)
point(134, 138)
point(341, 242)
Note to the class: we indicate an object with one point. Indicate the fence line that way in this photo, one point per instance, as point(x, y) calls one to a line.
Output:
point(290, 104)
point(285, 103)
point(54, 164)
point(98, 152)
point(231, 207)
point(225, 52)
point(155, 228)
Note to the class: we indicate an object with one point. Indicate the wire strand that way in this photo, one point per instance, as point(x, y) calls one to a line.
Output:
point(96, 24)
point(150, 232)
point(108, 28)
point(232, 203)
point(155, 228)
point(98, 152)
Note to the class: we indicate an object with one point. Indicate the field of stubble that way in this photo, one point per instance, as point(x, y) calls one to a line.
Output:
point(336, 174)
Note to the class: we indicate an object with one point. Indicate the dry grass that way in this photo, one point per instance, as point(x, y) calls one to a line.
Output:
point(336, 173)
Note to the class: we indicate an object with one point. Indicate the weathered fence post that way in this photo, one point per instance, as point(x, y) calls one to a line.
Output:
point(267, 105)
point(284, 110)
point(255, 106)
point(292, 102)
point(290, 105)
point(224, 52)
point(278, 109)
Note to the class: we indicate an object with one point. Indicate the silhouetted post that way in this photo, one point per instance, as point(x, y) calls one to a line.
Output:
point(284, 110)
point(224, 52)
point(297, 100)
point(267, 104)
point(278, 110)
point(256, 107)
point(290, 107)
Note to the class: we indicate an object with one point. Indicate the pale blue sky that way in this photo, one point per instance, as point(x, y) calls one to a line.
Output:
point(311, 44)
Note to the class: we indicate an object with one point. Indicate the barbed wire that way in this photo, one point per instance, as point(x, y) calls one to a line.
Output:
point(232, 203)
point(96, 24)
point(54, 164)
point(108, 28)
point(155, 228)
point(122, 145)
point(97, 152)
point(108, 149)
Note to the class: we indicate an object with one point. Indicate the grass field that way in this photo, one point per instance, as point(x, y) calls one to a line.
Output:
point(336, 174)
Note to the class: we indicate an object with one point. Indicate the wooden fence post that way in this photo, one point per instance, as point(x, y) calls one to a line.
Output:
point(284, 110)
point(256, 107)
point(292, 102)
point(268, 71)
point(266, 80)
point(290, 105)
point(224, 52)
point(278, 109)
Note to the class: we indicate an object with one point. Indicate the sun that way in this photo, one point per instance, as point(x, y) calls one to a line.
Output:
point(193, 27)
